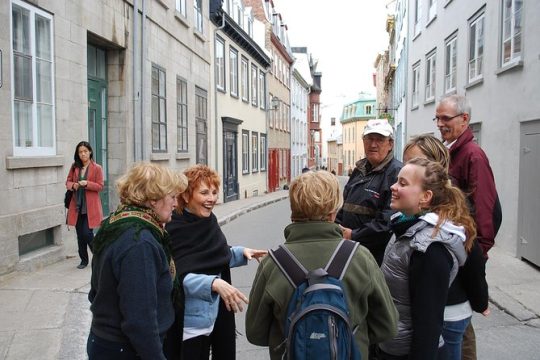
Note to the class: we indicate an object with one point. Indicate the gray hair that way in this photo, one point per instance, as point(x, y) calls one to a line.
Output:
point(460, 103)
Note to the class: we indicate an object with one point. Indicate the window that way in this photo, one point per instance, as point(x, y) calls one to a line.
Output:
point(476, 47)
point(245, 79)
point(254, 96)
point(432, 12)
point(201, 121)
point(233, 71)
point(262, 151)
point(262, 90)
point(511, 31)
point(159, 110)
point(220, 64)
point(254, 151)
point(197, 6)
point(368, 109)
point(245, 152)
point(417, 16)
point(33, 81)
point(181, 116)
point(181, 7)
point(315, 113)
point(430, 77)
point(450, 65)
point(415, 85)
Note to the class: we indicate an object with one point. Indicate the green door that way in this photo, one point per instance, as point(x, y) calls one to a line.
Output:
point(97, 115)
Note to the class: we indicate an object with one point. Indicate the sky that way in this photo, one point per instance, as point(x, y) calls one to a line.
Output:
point(345, 36)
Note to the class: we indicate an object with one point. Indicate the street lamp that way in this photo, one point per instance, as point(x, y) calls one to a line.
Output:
point(275, 102)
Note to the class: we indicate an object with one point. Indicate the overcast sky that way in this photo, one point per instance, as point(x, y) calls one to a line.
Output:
point(345, 36)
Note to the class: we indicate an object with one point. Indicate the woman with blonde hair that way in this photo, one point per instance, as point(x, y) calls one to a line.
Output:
point(429, 147)
point(132, 270)
point(312, 237)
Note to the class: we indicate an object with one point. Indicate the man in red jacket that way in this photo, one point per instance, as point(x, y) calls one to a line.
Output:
point(471, 172)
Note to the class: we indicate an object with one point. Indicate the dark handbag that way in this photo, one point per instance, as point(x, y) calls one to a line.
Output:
point(67, 198)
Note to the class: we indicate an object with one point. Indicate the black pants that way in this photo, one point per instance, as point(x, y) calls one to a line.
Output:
point(101, 349)
point(85, 236)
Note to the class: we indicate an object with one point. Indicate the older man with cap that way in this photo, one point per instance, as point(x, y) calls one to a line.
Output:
point(366, 211)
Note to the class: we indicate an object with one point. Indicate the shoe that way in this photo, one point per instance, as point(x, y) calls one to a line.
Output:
point(81, 266)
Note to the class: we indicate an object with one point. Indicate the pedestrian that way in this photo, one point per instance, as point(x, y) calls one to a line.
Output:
point(469, 290)
point(423, 256)
point(85, 179)
point(471, 172)
point(305, 169)
point(366, 209)
point(205, 308)
point(132, 280)
point(312, 238)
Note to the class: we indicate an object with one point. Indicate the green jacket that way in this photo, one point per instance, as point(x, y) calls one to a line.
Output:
point(369, 300)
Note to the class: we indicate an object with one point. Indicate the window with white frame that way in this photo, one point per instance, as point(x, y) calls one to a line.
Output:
point(254, 151)
point(262, 151)
point(415, 85)
point(220, 64)
point(34, 124)
point(511, 31)
point(201, 126)
point(450, 65)
point(233, 71)
point(368, 109)
point(430, 76)
point(432, 11)
point(417, 16)
point(315, 113)
point(181, 7)
point(245, 152)
point(476, 47)
point(254, 87)
point(198, 12)
point(262, 90)
point(244, 73)
point(181, 115)
point(159, 110)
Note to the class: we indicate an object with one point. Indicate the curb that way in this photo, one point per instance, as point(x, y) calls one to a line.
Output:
point(235, 214)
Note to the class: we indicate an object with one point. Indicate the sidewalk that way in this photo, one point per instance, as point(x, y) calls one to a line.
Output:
point(44, 314)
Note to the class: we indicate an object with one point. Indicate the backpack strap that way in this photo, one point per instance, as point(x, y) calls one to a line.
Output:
point(341, 258)
point(289, 265)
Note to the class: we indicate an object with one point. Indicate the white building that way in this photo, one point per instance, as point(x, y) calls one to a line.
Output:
point(488, 51)
point(300, 87)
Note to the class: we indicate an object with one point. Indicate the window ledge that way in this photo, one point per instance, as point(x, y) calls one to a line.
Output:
point(451, 92)
point(199, 35)
point(13, 162)
point(513, 66)
point(164, 4)
point(474, 83)
point(417, 35)
point(431, 20)
point(159, 156)
point(430, 101)
point(181, 18)
point(183, 156)
point(414, 107)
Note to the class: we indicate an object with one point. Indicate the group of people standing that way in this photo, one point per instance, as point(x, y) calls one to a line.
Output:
point(161, 281)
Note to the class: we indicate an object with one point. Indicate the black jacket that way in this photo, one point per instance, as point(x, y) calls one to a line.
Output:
point(366, 208)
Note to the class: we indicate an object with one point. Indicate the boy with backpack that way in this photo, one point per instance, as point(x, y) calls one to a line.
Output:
point(339, 291)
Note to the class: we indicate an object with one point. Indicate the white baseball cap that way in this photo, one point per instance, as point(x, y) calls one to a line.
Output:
point(379, 126)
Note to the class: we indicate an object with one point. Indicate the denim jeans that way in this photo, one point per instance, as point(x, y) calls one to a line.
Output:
point(453, 337)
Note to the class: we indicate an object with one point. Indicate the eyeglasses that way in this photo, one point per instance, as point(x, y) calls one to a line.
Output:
point(445, 118)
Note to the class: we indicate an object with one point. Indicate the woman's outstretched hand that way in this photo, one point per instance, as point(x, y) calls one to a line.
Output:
point(254, 254)
point(231, 296)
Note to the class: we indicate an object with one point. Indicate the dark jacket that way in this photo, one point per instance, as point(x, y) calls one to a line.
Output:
point(470, 283)
point(366, 208)
point(131, 294)
point(471, 172)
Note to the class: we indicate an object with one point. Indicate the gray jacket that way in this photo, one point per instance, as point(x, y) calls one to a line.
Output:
point(396, 264)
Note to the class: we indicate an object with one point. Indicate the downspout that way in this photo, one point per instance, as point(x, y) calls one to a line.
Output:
point(216, 150)
point(143, 67)
point(136, 84)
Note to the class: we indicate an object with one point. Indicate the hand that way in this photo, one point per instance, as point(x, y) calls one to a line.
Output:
point(347, 233)
point(232, 297)
point(486, 312)
point(75, 186)
point(254, 254)
point(83, 183)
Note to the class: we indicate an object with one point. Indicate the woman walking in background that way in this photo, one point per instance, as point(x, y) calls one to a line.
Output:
point(85, 179)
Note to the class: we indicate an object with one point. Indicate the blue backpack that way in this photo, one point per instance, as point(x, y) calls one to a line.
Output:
point(318, 324)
